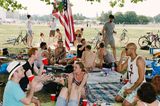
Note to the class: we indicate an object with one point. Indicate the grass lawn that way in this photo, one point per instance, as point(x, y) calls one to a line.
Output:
point(134, 32)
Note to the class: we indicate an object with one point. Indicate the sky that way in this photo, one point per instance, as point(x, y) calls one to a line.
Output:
point(147, 7)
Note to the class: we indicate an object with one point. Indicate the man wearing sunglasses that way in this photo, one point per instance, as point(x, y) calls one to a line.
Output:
point(135, 65)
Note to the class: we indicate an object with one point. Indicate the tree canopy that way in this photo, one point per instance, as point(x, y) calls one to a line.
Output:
point(14, 5)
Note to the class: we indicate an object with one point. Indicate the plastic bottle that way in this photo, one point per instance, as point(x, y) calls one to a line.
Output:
point(113, 66)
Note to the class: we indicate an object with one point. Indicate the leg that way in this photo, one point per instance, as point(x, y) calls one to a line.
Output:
point(36, 101)
point(31, 40)
point(112, 43)
point(126, 103)
point(62, 99)
point(74, 96)
point(28, 40)
point(119, 99)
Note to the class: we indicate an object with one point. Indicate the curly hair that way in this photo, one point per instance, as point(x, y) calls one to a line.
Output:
point(147, 93)
point(156, 83)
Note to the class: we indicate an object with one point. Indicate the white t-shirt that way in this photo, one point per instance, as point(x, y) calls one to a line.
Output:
point(29, 24)
point(53, 25)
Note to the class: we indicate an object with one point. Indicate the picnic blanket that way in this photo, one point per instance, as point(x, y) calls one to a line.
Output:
point(103, 87)
point(104, 92)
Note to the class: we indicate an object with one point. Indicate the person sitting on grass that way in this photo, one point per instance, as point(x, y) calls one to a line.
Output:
point(156, 83)
point(88, 58)
point(59, 34)
point(42, 37)
point(147, 95)
point(81, 48)
point(103, 56)
point(13, 94)
point(60, 53)
point(31, 69)
point(135, 65)
point(76, 87)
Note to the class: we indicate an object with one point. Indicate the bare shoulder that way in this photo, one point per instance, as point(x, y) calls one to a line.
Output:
point(140, 60)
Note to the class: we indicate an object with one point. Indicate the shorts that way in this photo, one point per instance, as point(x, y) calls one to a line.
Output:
point(51, 33)
point(29, 32)
point(111, 43)
point(63, 102)
point(129, 97)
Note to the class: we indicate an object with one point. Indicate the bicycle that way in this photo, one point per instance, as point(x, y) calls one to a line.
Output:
point(22, 37)
point(124, 37)
point(151, 40)
point(97, 39)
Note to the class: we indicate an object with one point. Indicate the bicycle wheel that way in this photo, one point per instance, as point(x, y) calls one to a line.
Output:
point(143, 41)
point(157, 43)
point(124, 39)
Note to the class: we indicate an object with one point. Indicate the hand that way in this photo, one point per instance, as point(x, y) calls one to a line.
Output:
point(128, 91)
point(123, 53)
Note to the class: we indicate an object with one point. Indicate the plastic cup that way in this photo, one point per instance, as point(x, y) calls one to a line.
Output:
point(45, 61)
point(84, 102)
point(53, 97)
point(94, 104)
point(30, 78)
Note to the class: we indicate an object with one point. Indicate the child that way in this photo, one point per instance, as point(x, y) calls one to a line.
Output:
point(59, 34)
point(42, 37)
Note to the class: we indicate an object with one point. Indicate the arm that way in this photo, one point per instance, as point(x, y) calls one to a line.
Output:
point(81, 48)
point(101, 56)
point(27, 100)
point(122, 66)
point(70, 79)
point(103, 33)
point(141, 72)
point(83, 82)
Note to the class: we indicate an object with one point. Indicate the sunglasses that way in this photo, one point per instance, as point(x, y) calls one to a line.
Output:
point(126, 49)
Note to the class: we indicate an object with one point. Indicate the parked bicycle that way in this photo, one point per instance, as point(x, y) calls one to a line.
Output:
point(22, 37)
point(151, 40)
point(97, 39)
point(124, 37)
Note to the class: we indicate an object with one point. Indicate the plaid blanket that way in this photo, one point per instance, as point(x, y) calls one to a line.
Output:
point(104, 92)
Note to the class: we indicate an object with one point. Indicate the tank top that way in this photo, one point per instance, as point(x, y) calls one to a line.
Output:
point(147, 105)
point(78, 83)
point(133, 70)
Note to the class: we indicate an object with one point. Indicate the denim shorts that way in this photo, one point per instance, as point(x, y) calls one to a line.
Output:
point(129, 97)
point(62, 102)
point(29, 32)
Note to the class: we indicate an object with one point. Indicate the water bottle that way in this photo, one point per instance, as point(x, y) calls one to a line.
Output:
point(113, 66)
point(121, 80)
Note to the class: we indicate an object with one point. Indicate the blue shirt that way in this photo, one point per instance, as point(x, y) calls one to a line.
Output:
point(13, 94)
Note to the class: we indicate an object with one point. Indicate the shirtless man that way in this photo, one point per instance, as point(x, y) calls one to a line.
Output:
point(88, 58)
point(60, 53)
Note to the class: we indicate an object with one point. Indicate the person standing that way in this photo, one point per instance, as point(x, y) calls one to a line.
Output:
point(29, 31)
point(52, 29)
point(107, 32)
point(135, 64)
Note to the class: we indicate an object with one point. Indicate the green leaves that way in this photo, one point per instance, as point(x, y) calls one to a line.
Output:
point(11, 5)
point(114, 3)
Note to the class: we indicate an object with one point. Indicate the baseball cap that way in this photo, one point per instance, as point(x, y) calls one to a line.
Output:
point(12, 67)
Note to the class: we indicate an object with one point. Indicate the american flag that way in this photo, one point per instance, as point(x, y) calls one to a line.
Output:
point(66, 19)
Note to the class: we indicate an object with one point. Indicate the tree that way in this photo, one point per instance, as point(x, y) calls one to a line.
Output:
point(157, 18)
point(131, 17)
point(143, 19)
point(14, 5)
point(119, 18)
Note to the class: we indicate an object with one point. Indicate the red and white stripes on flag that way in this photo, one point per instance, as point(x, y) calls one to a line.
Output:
point(66, 19)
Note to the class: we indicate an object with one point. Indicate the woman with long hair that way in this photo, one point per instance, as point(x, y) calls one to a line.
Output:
point(76, 87)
